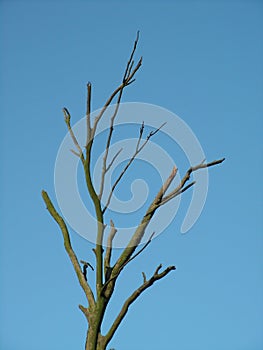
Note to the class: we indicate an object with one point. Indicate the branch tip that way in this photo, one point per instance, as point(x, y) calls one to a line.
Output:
point(67, 115)
point(87, 264)
point(144, 277)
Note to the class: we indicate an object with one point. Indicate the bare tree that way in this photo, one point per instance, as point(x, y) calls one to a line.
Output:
point(107, 271)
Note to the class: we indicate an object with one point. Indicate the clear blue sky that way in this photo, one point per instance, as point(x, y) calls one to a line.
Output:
point(203, 61)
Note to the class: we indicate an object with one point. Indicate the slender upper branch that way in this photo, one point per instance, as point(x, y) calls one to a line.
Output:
point(88, 113)
point(180, 188)
point(146, 284)
point(67, 117)
point(105, 157)
point(128, 74)
point(107, 258)
point(127, 80)
point(67, 243)
point(113, 159)
point(141, 250)
point(138, 149)
point(131, 62)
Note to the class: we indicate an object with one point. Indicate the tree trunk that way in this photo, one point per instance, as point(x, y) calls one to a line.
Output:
point(94, 339)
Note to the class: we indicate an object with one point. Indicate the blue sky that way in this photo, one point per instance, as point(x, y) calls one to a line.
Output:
point(203, 61)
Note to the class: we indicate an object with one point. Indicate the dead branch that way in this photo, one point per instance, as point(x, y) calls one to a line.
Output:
point(105, 283)
point(131, 62)
point(126, 256)
point(144, 277)
point(67, 243)
point(107, 258)
point(113, 278)
point(75, 153)
point(88, 113)
point(86, 265)
point(138, 149)
point(141, 250)
point(113, 159)
point(128, 74)
point(127, 80)
point(146, 284)
point(165, 200)
point(67, 118)
point(157, 202)
point(100, 225)
point(180, 188)
point(94, 196)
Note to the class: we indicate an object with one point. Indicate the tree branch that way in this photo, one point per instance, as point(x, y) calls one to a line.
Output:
point(99, 216)
point(86, 265)
point(67, 243)
point(138, 149)
point(146, 284)
point(127, 80)
point(141, 250)
point(88, 113)
point(137, 236)
point(113, 278)
point(107, 258)
point(113, 159)
point(67, 117)
point(128, 74)
point(157, 202)
point(180, 188)
point(94, 196)
point(131, 62)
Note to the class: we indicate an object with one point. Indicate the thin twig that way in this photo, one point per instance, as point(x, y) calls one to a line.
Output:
point(122, 267)
point(138, 149)
point(165, 200)
point(146, 284)
point(67, 117)
point(141, 250)
point(86, 265)
point(88, 113)
point(104, 162)
point(75, 153)
point(130, 62)
point(140, 136)
point(179, 189)
point(144, 277)
point(113, 159)
point(126, 79)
